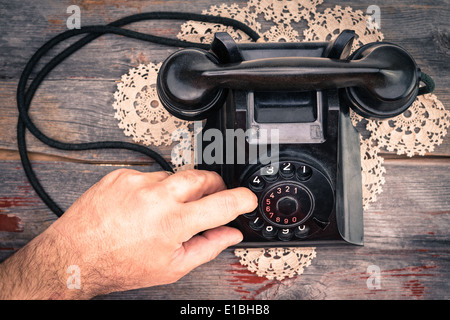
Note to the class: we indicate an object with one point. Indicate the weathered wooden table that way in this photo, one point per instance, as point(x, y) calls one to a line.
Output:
point(406, 230)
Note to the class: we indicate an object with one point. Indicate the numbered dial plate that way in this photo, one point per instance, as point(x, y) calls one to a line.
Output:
point(287, 205)
point(295, 201)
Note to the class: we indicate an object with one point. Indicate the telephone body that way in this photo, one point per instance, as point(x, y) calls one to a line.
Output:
point(309, 187)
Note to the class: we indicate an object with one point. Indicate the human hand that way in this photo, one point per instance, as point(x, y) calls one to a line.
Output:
point(133, 230)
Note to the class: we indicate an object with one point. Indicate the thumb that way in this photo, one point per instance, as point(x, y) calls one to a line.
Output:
point(205, 247)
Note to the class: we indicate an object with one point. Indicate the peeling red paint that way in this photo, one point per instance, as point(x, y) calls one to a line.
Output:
point(10, 223)
point(410, 271)
point(25, 198)
point(26, 188)
point(242, 278)
point(415, 287)
point(9, 202)
point(96, 5)
point(243, 275)
point(438, 213)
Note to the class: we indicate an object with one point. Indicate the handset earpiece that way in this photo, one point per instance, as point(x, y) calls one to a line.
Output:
point(381, 80)
point(183, 90)
point(394, 90)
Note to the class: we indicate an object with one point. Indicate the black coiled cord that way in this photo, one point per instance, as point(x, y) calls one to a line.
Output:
point(25, 96)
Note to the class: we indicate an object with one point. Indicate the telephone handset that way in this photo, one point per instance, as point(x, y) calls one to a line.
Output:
point(381, 79)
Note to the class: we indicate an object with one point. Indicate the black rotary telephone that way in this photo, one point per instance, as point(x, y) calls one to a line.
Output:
point(312, 193)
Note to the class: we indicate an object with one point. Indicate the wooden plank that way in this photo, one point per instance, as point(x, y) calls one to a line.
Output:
point(21, 20)
point(425, 26)
point(424, 22)
point(406, 235)
point(71, 118)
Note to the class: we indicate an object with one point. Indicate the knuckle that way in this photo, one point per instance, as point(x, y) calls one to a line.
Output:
point(113, 175)
point(142, 195)
point(192, 178)
point(129, 176)
point(117, 174)
point(193, 175)
point(159, 174)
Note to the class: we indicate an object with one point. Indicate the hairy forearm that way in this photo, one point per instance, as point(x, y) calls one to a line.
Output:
point(40, 271)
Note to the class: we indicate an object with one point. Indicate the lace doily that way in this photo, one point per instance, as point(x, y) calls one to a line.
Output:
point(415, 132)
point(276, 263)
point(142, 116)
point(329, 24)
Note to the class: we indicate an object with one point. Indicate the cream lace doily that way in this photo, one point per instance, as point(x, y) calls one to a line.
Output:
point(142, 116)
point(276, 263)
point(415, 132)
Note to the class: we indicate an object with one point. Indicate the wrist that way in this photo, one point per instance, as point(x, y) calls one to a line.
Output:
point(45, 269)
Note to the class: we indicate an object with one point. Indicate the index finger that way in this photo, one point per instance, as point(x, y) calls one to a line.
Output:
point(217, 209)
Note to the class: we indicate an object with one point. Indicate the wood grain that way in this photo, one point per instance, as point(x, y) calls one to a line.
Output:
point(406, 230)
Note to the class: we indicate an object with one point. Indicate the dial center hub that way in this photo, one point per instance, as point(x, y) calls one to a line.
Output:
point(287, 206)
